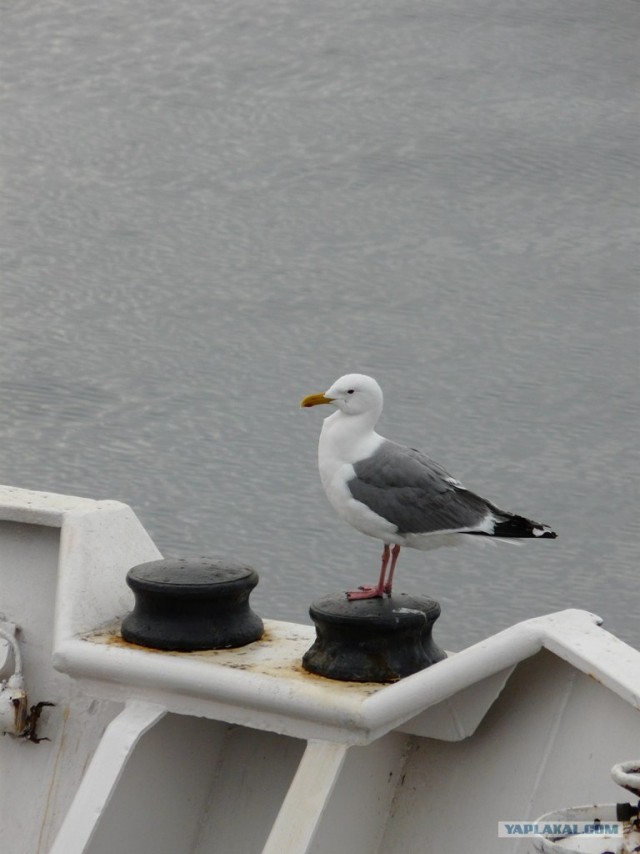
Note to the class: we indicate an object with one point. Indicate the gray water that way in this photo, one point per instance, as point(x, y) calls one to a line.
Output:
point(211, 209)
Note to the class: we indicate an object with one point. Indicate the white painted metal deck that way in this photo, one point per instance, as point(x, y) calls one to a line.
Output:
point(243, 751)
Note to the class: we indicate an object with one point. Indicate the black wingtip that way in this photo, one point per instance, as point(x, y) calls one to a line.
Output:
point(519, 526)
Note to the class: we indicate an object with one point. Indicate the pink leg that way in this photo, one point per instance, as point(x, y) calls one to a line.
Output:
point(395, 553)
point(368, 591)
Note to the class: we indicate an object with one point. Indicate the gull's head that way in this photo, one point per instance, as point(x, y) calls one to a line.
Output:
point(352, 394)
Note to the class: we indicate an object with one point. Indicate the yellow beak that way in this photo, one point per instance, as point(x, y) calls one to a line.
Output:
point(315, 400)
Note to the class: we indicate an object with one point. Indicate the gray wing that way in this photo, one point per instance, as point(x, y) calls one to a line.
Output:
point(414, 493)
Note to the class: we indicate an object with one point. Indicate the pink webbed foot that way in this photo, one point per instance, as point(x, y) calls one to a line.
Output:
point(377, 591)
point(366, 591)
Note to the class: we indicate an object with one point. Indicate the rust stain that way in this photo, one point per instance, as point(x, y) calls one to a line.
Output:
point(240, 658)
point(113, 637)
point(19, 714)
point(365, 687)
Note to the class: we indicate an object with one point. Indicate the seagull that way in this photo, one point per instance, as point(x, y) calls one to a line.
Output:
point(395, 493)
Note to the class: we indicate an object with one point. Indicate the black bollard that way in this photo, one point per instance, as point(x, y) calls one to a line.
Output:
point(192, 603)
point(372, 640)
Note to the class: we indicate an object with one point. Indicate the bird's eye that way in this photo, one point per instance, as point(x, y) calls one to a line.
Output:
point(350, 391)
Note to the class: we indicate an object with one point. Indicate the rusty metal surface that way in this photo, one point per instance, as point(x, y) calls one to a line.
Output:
point(277, 654)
